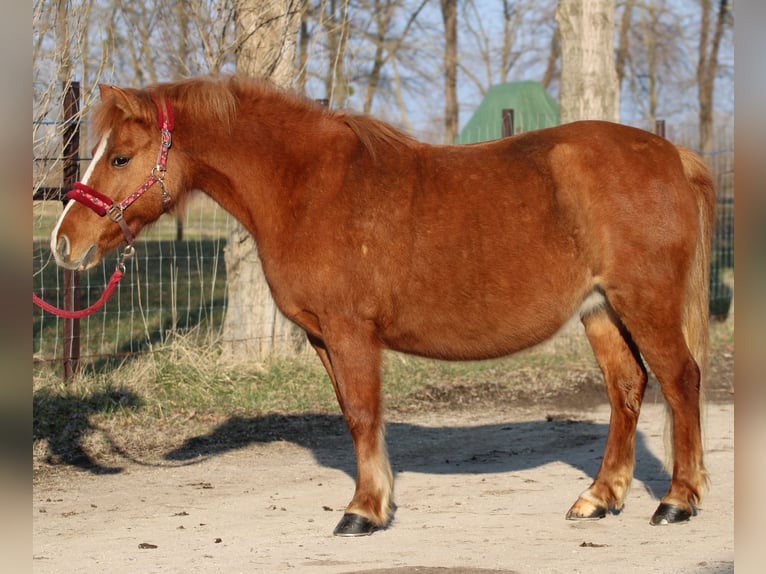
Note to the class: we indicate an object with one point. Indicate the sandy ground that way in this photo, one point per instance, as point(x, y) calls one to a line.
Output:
point(475, 490)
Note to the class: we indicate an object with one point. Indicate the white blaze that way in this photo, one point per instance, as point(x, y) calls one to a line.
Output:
point(88, 173)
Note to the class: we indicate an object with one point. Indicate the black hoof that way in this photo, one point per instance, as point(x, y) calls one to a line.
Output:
point(354, 525)
point(670, 514)
point(597, 513)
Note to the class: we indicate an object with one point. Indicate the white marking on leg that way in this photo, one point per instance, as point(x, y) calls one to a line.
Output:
point(88, 173)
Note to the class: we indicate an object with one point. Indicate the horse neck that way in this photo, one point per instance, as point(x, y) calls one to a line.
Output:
point(260, 171)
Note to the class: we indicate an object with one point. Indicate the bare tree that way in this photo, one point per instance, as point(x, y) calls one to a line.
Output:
point(504, 41)
point(386, 42)
point(651, 48)
point(649, 59)
point(210, 27)
point(142, 20)
point(623, 42)
point(63, 43)
point(266, 39)
point(589, 88)
point(61, 53)
point(554, 55)
point(493, 48)
point(336, 22)
point(449, 17)
point(304, 38)
point(707, 66)
point(382, 13)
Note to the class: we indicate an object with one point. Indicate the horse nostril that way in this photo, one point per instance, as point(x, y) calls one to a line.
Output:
point(62, 248)
point(89, 257)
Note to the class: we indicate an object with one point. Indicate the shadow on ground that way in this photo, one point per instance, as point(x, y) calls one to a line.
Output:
point(64, 422)
point(489, 448)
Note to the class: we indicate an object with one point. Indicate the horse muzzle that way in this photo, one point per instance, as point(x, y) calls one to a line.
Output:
point(62, 251)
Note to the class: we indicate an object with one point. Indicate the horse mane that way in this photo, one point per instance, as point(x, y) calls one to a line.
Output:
point(373, 133)
point(200, 97)
point(219, 100)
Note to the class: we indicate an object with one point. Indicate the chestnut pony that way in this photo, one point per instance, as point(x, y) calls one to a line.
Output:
point(371, 240)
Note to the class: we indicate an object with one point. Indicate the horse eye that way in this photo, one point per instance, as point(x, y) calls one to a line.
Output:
point(120, 161)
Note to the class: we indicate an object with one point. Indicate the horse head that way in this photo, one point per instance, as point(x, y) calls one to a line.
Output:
point(125, 186)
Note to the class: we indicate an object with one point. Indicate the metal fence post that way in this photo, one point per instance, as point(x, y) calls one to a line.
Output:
point(508, 126)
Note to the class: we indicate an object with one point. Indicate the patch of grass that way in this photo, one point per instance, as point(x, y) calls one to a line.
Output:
point(190, 381)
point(182, 378)
point(185, 379)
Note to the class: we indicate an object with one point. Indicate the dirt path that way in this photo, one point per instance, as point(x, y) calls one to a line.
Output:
point(475, 490)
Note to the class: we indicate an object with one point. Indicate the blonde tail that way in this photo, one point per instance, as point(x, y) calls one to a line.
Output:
point(696, 310)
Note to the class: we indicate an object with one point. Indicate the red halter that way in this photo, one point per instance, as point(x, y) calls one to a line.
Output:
point(104, 205)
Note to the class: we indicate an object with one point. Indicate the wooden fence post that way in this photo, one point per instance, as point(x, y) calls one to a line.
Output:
point(71, 279)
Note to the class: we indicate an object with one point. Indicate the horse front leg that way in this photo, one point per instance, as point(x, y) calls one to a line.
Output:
point(352, 360)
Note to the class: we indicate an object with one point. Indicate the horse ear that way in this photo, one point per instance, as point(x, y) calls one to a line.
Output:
point(104, 91)
point(122, 99)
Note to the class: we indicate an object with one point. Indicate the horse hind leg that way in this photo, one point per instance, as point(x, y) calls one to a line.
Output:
point(354, 369)
point(679, 376)
point(661, 339)
point(625, 378)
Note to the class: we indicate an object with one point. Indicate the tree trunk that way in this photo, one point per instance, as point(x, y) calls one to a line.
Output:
point(707, 66)
point(449, 16)
point(589, 88)
point(253, 328)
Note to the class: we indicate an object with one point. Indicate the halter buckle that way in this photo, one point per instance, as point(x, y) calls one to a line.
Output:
point(114, 212)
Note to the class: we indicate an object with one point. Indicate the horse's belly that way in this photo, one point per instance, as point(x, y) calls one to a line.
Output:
point(456, 335)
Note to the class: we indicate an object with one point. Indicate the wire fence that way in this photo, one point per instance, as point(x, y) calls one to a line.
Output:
point(171, 287)
point(175, 286)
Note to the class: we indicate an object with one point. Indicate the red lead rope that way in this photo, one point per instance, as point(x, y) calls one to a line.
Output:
point(111, 286)
point(108, 290)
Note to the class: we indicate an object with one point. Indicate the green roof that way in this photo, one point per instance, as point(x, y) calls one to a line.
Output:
point(533, 108)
